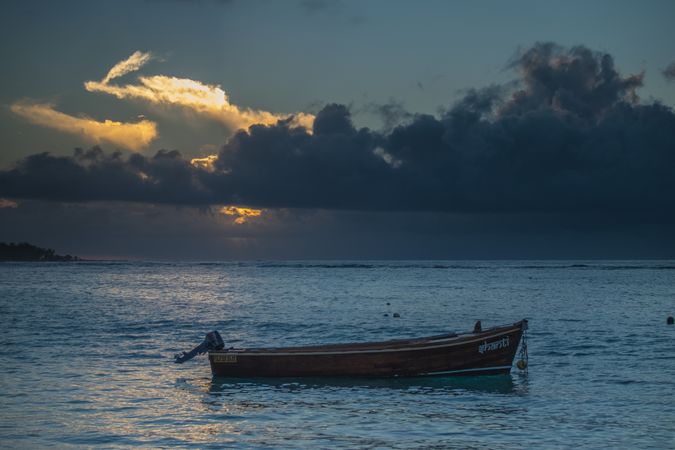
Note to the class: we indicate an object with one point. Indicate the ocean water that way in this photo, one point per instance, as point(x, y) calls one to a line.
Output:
point(86, 354)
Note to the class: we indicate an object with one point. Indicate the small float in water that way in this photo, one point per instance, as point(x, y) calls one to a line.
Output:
point(488, 351)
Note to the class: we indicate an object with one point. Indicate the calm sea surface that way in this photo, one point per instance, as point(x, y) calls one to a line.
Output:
point(86, 354)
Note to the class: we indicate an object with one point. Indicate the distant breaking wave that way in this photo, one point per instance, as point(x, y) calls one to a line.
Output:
point(479, 265)
point(505, 266)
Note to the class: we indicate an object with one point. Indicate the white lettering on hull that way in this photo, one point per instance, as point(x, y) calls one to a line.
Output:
point(494, 345)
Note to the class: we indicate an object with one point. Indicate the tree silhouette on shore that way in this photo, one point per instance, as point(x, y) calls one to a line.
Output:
point(28, 252)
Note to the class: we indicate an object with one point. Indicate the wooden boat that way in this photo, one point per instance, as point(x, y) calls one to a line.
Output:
point(481, 352)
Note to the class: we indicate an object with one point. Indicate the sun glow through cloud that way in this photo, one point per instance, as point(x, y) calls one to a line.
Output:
point(205, 163)
point(243, 214)
point(133, 136)
point(202, 98)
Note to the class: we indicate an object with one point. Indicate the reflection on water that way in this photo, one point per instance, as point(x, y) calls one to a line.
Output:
point(499, 384)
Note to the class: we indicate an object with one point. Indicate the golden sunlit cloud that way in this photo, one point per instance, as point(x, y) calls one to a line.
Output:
point(243, 214)
point(131, 64)
point(206, 99)
point(205, 163)
point(132, 136)
point(7, 203)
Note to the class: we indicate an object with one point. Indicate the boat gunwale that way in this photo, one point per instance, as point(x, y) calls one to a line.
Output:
point(398, 345)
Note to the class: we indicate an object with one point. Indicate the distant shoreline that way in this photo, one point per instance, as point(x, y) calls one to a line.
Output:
point(30, 253)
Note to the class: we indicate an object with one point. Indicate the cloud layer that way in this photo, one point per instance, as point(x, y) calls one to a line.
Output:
point(134, 62)
point(669, 72)
point(133, 136)
point(209, 100)
point(572, 137)
point(204, 99)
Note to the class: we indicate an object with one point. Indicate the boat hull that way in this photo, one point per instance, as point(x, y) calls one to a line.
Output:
point(488, 352)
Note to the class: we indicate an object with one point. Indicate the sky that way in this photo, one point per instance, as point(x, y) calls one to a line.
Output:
point(337, 129)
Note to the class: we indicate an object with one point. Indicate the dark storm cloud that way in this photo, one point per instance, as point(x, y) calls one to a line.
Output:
point(669, 72)
point(576, 81)
point(391, 113)
point(572, 137)
point(136, 230)
point(95, 175)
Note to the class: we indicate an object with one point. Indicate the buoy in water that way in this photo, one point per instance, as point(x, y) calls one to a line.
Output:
point(521, 364)
point(670, 320)
point(397, 315)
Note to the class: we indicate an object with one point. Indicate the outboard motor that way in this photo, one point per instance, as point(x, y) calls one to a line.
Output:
point(212, 341)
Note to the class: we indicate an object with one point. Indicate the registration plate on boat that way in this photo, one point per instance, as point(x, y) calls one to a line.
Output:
point(225, 358)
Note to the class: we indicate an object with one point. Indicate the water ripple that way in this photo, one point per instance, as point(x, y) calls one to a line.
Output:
point(85, 351)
